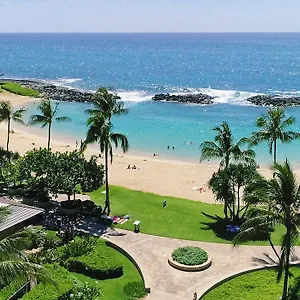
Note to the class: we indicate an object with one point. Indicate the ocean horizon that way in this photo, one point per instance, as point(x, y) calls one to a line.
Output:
point(228, 66)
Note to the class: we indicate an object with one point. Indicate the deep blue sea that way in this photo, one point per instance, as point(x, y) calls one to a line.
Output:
point(229, 66)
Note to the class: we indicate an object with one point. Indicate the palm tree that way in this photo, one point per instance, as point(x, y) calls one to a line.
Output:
point(8, 114)
point(276, 201)
point(105, 105)
point(47, 116)
point(224, 147)
point(14, 264)
point(272, 128)
point(100, 130)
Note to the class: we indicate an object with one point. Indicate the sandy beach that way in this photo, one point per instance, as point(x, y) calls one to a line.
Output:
point(163, 177)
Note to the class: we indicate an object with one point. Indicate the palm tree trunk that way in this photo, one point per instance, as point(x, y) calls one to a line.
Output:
point(49, 136)
point(8, 134)
point(275, 150)
point(287, 264)
point(107, 202)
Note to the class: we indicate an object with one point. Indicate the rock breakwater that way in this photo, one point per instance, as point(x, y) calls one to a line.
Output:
point(186, 98)
point(268, 100)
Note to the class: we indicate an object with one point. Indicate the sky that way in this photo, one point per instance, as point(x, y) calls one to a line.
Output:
point(149, 16)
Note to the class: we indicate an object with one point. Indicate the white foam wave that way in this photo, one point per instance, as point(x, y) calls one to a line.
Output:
point(64, 82)
point(134, 96)
point(221, 96)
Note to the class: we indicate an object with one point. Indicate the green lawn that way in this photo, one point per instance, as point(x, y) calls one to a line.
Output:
point(16, 88)
point(260, 285)
point(181, 218)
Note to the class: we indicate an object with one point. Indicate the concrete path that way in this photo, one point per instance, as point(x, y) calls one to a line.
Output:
point(166, 283)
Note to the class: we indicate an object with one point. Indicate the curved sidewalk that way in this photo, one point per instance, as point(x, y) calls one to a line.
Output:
point(166, 283)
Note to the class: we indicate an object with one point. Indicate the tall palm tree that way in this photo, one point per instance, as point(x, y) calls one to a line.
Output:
point(47, 116)
point(272, 128)
point(8, 114)
point(275, 201)
point(100, 130)
point(224, 147)
point(105, 106)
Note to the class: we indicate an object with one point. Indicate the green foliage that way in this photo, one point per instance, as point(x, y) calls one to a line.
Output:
point(86, 291)
point(77, 247)
point(273, 127)
point(255, 285)
point(11, 288)
point(44, 170)
point(64, 282)
point(16, 88)
point(101, 263)
point(135, 290)
point(190, 256)
point(228, 184)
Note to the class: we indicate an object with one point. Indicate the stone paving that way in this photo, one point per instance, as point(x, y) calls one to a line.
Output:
point(166, 283)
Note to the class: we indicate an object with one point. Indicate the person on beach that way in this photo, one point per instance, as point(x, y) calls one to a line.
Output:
point(173, 147)
point(128, 167)
point(168, 147)
point(134, 167)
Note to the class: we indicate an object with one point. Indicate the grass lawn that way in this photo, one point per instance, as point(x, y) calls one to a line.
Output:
point(181, 218)
point(260, 285)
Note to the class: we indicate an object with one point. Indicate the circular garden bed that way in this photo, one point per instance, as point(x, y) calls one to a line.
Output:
point(190, 259)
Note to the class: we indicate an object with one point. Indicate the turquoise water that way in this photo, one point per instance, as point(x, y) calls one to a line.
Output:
point(228, 66)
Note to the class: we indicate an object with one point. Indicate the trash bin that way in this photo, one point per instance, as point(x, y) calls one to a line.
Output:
point(136, 225)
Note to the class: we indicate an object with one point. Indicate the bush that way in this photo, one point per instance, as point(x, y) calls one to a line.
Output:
point(135, 290)
point(87, 206)
point(101, 263)
point(71, 204)
point(10, 289)
point(190, 256)
point(61, 277)
point(19, 90)
point(86, 291)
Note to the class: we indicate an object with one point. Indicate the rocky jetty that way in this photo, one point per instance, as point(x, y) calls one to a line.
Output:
point(187, 98)
point(268, 100)
point(54, 92)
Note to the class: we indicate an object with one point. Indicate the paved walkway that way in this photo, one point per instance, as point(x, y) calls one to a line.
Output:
point(166, 283)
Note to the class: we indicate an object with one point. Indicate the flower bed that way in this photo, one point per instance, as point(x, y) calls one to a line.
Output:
point(190, 259)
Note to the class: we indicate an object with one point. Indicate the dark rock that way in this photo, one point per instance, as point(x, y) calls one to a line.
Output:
point(185, 98)
point(54, 92)
point(268, 100)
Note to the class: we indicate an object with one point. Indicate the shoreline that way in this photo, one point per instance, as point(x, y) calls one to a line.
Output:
point(157, 175)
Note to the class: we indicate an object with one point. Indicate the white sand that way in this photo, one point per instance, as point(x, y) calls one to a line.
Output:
point(169, 178)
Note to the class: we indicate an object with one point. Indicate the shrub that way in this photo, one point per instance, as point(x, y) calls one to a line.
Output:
point(60, 276)
point(77, 247)
point(10, 289)
point(86, 291)
point(19, 90)
point(71, 204)
point(135, 290)
point(101, 263)
point(190, 256)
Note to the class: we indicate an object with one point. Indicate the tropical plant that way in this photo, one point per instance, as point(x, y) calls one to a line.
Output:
point(47, 116)
point(275, 201)
point(225, 148)
point(100, 130)
point(14, 264)
point(8, 114)
point(228, 185)
point(273, 128)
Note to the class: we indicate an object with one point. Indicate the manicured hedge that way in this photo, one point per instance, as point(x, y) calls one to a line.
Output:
point(63, 279)
point(101, 263)
point(19, 90)
point(190, 256)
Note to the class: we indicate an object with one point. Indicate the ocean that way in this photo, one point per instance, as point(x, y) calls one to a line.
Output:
point(229, 66)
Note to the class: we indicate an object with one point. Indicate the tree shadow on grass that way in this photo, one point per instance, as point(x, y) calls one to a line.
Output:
point(218, 225)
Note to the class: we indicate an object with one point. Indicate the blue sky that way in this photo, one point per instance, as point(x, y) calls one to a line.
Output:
point(149, 15)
